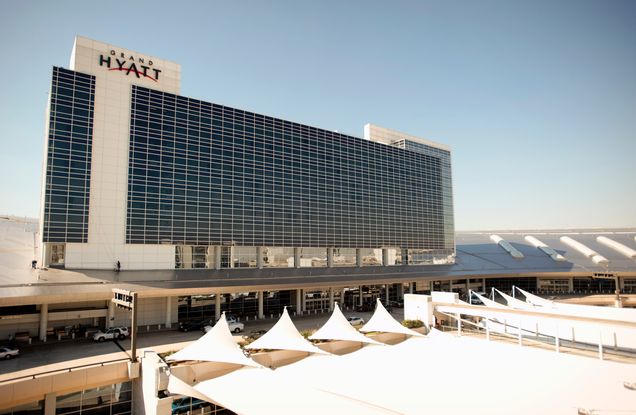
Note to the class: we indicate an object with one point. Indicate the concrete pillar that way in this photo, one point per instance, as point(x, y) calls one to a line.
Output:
point(358, 257)
point(304, 300)
point(110, 320)
point(168, 312)
point(217, 258)
point(44, 321)
point(299, 302)
point(570, 284)
point(385, 257)
point(400, 291)
point(260, 305)
point(360, 298)
point(331, 299)
point(296, 257)
point(483, 284)
point(411, 289)
point(45, 258)
point(330, 257)
point(259, 257)
point(217, 306)
point(50, 403)
point(386, 293)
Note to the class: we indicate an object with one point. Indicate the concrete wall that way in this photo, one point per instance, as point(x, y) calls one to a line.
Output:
point(109, 166)
point(28, 390)
point(146, 388)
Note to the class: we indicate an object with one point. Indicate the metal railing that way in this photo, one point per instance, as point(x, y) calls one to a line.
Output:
point(529, 336)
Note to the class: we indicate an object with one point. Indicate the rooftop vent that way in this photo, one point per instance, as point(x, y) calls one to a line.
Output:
point(506, 245)
point(593, 255)
point(617, 246)
point(545, 248)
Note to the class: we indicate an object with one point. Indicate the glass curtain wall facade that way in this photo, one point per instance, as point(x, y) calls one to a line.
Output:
point(209, 175)
point(68, 166)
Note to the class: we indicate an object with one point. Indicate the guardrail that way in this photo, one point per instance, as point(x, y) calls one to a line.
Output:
point(528, 336)
point(62, 370)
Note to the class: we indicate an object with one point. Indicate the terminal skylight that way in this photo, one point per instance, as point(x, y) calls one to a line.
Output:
point(514, 252)
point(545, 248)
point(590, 253)
point(617, 246)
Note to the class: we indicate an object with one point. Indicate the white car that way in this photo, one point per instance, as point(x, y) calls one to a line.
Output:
point(8, 353)
point(119, 333)
point(355, 321)
point(235, 326)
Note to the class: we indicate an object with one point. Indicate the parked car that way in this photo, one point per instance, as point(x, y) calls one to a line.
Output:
point(186, 326)
point(229, 317)
point(254, 334)
point(119, 333)
point(355, 321)
point(474, 299)
point(366, 307)
point(7, 353)
point(235, 327)
point(395, 304)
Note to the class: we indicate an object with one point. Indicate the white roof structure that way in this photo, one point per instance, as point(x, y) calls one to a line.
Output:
point(284, 336)
point(583, 249)
point(350, 384)
point(514, 252)
point(217, 345)
point(514, 303)
point(617, 246)
point(382, 321)
point(544, 248)
point(180, 387)
point(271, 392)
point(609, 313)
point(487, 301)
point(357, 382)
point(338, 328)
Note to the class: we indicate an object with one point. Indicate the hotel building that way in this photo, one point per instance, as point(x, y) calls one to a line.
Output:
point(138, 175)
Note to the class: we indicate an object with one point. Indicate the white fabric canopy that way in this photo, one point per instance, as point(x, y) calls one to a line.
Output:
point(180, 387)
point(359, 382)
point(382, 321)
point(488, 302)
point(514, 303)
point(284, 336)
point(261, 391)
point(436, 367)
point(338, 328)
point(217, 345)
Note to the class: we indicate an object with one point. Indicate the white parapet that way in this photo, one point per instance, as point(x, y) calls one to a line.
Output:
point(419, 307)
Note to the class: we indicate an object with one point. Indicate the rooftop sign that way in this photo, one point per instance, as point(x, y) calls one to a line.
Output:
point(138, 66)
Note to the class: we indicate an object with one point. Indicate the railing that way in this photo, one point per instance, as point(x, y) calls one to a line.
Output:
point(63, 370)
point(529, 336)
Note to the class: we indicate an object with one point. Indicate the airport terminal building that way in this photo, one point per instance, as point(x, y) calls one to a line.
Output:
point(202, 208)
point(206, 208)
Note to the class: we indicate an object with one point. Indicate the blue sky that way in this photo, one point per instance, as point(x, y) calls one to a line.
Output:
point(537, 98)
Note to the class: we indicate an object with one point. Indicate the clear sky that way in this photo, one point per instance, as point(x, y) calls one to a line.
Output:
point(536, 98)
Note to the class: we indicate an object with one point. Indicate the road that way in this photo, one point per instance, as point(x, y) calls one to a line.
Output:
point(43, 357)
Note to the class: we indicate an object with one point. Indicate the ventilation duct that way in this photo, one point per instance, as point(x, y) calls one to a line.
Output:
point(617, 246)
point(591, 254)
point(545, 248)
point(506, 245)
